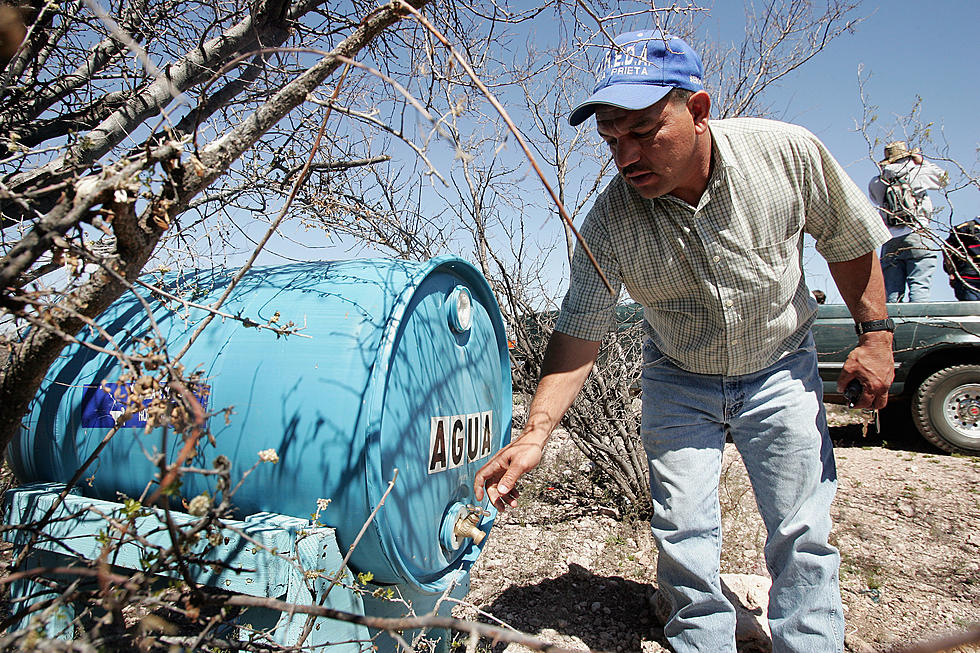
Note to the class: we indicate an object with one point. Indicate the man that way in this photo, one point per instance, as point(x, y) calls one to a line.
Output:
point(704, 226)
point(961, 260)
point(907, 259)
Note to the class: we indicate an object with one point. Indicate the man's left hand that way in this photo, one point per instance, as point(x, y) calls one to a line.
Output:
point(873, 364)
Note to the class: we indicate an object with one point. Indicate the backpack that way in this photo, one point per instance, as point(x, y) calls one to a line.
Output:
point(900, 203)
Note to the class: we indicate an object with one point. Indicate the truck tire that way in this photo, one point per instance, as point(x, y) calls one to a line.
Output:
point(946, 409)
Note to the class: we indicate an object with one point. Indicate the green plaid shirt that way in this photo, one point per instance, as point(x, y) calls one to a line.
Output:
point(722, 283)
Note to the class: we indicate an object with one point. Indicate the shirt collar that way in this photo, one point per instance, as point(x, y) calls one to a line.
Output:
point(723, 165)
point(722, 154)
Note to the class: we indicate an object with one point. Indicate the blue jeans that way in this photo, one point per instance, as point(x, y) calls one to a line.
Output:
point(776, 419)
point(907, 260)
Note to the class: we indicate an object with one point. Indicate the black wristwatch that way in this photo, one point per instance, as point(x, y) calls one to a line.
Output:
point(887, 324)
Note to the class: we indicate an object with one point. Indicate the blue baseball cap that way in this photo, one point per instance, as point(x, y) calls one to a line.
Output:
point(640, 70)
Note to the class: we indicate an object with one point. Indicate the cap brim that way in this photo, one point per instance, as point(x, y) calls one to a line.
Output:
point(894, 158)
point(624, 96)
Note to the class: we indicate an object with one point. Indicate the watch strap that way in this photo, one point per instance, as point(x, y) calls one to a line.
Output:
point(887, 324)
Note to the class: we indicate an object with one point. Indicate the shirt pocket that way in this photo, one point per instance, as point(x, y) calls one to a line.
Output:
point(778, 269)
point(778, 254)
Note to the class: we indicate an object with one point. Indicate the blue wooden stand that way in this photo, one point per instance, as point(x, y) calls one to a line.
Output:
point(264, 555)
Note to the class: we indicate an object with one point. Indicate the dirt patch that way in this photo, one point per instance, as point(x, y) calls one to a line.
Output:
point(570, 569)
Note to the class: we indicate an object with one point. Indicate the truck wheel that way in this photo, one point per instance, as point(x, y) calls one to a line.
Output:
point(946, 409)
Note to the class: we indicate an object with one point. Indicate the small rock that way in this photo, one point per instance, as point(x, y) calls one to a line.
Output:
point(515, 648)
point(660, 607)
point(596, 606)
point(579, 559)
point(855, 644)
point(750, 596)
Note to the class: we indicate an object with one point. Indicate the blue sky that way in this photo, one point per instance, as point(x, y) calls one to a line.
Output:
point(909, 49)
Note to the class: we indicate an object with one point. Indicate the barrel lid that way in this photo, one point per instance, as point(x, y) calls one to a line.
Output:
point(436, 429)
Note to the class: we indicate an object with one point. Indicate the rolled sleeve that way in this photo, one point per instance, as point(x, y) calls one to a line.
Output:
point(588, 310)
point(931, 176)
point(840, 218)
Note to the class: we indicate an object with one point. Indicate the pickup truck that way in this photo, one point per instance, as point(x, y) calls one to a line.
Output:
point(937, 367)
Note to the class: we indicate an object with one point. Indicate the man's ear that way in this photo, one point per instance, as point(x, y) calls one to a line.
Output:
point(699, 105)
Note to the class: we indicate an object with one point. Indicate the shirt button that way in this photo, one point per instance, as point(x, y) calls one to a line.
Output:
point(734, 342)
point(715, 258)
point(729, 303)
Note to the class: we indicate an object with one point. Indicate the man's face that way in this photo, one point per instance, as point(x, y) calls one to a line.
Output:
point(655, 149)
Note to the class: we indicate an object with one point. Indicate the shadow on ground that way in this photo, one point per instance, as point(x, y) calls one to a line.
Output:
point(897, 433)
point(607, 613)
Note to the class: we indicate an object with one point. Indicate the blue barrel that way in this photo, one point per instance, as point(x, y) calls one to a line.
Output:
point(405, 367)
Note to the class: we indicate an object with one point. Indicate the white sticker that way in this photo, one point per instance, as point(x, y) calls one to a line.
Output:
point(437, 444)
point(455, 440)
point(486, 433)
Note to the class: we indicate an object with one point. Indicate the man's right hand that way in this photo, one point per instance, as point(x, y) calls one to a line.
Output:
point(501, 474)
point(567, 361)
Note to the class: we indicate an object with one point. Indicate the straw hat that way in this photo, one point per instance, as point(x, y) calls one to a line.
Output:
point(895, 151)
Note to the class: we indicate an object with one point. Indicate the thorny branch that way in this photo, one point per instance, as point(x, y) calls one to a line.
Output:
point(79, 154)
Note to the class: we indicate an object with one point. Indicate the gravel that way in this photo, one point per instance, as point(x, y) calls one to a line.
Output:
point(566, 568)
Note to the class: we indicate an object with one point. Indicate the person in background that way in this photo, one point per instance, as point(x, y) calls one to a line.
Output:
point(820, 296)
point(907, 260)
point(961, 260)
point(704, 225)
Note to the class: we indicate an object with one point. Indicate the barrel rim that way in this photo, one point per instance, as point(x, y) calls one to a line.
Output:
point(376, 392)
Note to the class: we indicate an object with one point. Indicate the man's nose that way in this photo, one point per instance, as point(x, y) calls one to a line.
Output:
point(627, 152)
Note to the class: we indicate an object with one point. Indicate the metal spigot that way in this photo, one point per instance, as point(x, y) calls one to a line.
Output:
point(468, 524)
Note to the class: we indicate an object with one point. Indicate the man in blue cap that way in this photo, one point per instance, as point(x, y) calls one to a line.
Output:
point(704, 226)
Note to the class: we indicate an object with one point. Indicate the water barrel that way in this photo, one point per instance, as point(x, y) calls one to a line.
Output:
point(402, 365)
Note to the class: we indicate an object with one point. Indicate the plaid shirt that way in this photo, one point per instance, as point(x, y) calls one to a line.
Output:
point(722, 283)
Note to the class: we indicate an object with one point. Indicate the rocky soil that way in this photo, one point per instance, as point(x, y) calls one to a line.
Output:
point(566, 566)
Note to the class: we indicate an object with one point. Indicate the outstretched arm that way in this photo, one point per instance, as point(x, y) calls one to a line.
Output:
point(863, 288)
point(567, 362)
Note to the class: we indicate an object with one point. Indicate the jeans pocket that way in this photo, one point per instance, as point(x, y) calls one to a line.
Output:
point(652, 357)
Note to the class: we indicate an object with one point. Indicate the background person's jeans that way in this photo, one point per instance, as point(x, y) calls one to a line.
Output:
point(776, 419)
point(907, 260)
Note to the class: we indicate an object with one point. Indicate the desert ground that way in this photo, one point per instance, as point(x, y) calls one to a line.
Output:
point(568, 567)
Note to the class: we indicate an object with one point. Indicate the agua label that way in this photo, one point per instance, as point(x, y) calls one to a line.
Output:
point(458, 439)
